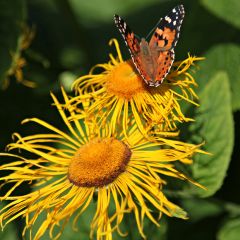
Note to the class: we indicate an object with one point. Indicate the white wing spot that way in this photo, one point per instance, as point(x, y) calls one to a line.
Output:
point(174, 23)
point(168, 19)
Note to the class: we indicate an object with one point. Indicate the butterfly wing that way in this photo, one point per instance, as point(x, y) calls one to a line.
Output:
point(163, 42)
point(167, 32)
point(132, 44)
point(128, 36)
point(164, 64)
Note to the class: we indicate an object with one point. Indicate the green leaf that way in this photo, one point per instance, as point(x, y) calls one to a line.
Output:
point(209, 208)
point(230, 230)
point(12, 16)
point(214, 125)
point(88, 11)
point(8, 233)
point(222, 57)
point(233, 209)
point(227, 10)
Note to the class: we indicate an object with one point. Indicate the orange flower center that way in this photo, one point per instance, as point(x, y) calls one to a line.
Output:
point(123, 81)
point(99, 162)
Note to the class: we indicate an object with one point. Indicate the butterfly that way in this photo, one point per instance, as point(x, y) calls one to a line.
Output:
point(153, 59)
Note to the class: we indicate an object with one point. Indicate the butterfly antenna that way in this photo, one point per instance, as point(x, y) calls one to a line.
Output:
point(153, 29)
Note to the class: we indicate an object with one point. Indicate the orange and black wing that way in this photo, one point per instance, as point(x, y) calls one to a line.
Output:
point(132, 43)
point(128, 35)
point(164, 40)
point(167, 32)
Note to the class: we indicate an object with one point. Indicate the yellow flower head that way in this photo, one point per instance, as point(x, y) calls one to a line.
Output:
point(119, 92)
point(70, 168)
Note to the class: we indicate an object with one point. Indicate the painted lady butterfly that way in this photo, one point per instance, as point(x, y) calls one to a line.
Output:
point(153, 60)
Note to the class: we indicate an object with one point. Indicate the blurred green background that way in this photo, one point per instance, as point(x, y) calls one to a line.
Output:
point(72, 35)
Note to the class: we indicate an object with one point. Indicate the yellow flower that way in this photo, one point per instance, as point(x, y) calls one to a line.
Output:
point(68, 168)
point(118, 93)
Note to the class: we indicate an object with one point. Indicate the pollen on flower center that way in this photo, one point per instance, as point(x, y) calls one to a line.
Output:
point(123, 81)
point(99, 162)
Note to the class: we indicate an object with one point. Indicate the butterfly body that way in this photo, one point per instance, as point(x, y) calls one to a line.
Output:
point(154, 59)
point(148, 57)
